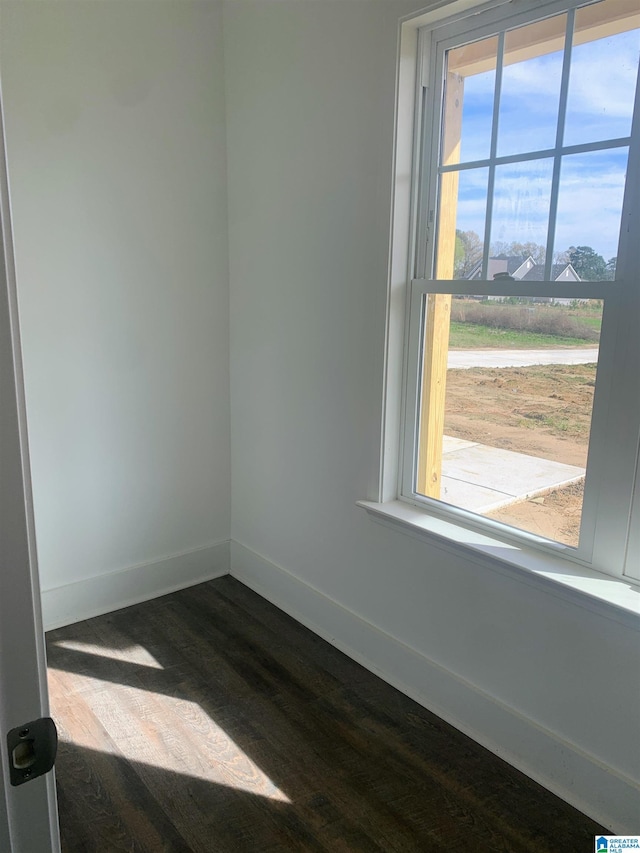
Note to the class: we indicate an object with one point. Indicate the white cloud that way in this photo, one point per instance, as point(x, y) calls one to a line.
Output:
point(536, 79)
point(603, 77)
point(589, 203)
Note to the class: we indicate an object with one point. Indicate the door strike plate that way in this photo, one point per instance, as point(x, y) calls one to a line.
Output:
point(32, 750)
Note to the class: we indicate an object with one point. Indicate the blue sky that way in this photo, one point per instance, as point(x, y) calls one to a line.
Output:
point(599, 106)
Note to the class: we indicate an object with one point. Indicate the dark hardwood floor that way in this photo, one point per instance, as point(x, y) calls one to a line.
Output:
point(207, 720)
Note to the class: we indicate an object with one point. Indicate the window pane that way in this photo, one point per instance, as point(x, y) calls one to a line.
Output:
point(473, 70)
point(530, 94)
point(520, 215)
point(520, 377)
point(603, 76)
point(590, 210)
point(461, 223)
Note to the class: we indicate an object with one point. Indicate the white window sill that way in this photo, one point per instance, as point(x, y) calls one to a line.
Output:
point(608, 596)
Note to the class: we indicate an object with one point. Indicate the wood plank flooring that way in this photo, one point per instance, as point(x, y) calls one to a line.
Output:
point(209, 721)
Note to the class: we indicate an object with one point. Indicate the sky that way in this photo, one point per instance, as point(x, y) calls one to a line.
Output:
point(599, 106)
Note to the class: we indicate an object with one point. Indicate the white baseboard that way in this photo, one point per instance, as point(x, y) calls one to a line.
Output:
point(73, 602)
point(580, 779)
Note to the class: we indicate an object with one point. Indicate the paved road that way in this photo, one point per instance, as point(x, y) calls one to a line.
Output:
point(520, 357)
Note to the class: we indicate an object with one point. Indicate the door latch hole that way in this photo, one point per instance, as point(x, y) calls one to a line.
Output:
point(24, 755)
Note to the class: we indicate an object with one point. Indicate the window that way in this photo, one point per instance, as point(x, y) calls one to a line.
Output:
point(522, 374)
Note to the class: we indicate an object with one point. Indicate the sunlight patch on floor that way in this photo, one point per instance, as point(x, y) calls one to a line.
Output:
point(160, 730)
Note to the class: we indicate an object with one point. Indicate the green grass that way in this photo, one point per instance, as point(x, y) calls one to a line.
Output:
point(473, 336)
point(591, 322)
point(490, 323)
point(557, 423)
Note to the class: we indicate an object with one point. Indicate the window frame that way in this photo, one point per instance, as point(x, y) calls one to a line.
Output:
point(610, 513)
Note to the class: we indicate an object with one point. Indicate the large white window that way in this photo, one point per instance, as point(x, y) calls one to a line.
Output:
point(522, 362)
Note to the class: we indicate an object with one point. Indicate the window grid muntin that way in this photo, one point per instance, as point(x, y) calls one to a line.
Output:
point(430, 166)
point(493, 150)
point(562, 111)
point(565, 150)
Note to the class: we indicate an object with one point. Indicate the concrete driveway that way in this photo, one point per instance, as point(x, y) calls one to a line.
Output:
point(460, 359)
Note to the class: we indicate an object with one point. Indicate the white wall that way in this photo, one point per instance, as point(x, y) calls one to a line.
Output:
point(542, 680)
point(116, 146)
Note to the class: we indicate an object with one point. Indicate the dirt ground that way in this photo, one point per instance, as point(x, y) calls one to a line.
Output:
point(540, 411)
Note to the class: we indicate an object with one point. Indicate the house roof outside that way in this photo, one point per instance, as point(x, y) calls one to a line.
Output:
point(559, 272)
point(522, 269)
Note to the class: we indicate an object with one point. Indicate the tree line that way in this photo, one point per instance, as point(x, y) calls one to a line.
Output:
point(587, 263)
